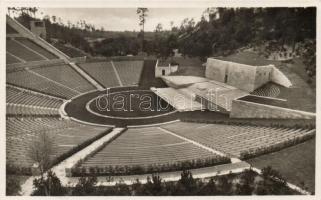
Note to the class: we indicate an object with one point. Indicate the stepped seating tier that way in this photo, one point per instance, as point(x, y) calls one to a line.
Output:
point(146, 146)
point(22, 52)
point(18, 109)
point(103, 72)
point(65, 75)
point(11, 59)
point(17, 96)
point(64, 134)
point(27, 42)
point(30, 80)
point(268, 90)
point(129, 71)
point(10, 30)
point(233, 139)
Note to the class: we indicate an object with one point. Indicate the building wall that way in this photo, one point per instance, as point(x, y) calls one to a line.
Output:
point(242, 76)
point(168, 70)
point(38, 28)
point(262, 76)
point(215, 70)
point(244, 109)
point(279, 78)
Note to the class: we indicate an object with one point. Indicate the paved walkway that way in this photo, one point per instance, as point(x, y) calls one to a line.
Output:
point(117, 75)
point(174, 176)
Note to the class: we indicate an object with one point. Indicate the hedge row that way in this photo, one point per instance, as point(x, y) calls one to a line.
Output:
point(275, 147)
point(278, 123)
point(23, 170)
point(34, 115)
point(114, 58)
point(147, 169)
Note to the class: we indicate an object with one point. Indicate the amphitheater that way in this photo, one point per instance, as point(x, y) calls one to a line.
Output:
point(50, 92)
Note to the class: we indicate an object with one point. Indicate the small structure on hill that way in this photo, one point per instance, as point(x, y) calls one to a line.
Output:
point(38, 28)
point(165, 68)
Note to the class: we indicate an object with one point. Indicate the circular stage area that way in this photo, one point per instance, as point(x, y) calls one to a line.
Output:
point(121, 106)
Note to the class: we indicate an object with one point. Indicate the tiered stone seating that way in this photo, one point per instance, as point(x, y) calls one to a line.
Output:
point(36, 48)
point(10, 30)
point(233, 139)
point(268, 90)
point(22, 52)
point(103, 72)
point(65, 75)
point(65, 135)
point(24, 97)
point(129, 71)
point(10, 59)
point(27, 79)
point(20, 109)
point(68, 50)
point(146, 146)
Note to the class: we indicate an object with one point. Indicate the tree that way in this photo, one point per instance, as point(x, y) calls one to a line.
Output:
point(246, 183)
point(54, 18)
point(142, 12)
point(40, 150)
point(272, 183)
point(187, 184)
point(153, 186)
point(85, 186)
point(224, 184)
point(209, 188)
point(48, 185)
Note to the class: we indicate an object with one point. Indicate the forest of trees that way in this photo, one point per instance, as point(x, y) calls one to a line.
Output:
point(220, 32)
point(238, 27)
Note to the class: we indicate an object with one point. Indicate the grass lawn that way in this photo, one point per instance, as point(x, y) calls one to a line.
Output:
point(296, 163)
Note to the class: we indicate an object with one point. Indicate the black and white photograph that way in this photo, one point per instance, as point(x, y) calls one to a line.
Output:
point(145, 100)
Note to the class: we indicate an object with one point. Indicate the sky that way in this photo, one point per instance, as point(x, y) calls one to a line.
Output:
point(121, 19)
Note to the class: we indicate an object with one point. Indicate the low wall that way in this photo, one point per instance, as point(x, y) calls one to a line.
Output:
point(245, 109)
point(279, 78)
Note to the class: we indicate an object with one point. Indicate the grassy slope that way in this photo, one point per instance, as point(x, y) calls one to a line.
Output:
point(296, 163)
